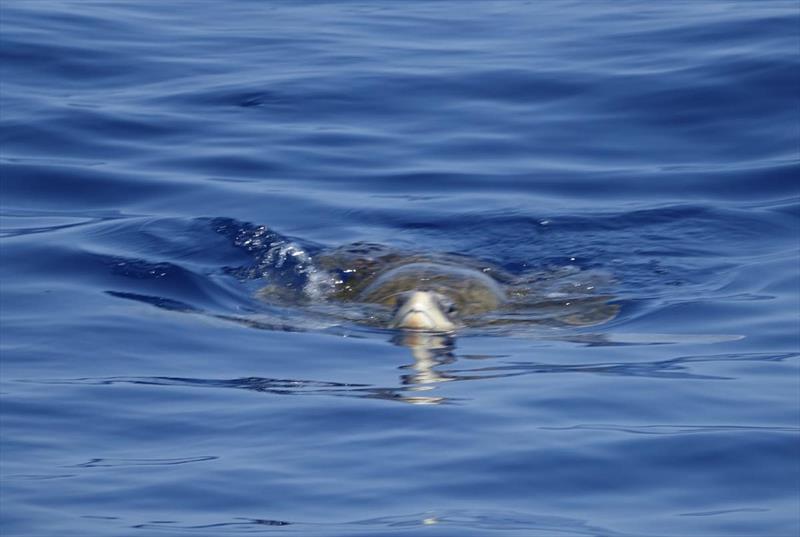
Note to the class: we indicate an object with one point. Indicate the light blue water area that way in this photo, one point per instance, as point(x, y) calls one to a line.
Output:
point(147, 391)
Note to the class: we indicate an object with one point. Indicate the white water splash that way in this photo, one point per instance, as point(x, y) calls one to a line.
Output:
point(318, 282)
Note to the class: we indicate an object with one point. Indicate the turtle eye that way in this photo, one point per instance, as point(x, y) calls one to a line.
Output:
point(398, 300)
point(447, 305)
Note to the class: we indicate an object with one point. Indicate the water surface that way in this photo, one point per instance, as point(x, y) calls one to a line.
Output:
point(144, 143)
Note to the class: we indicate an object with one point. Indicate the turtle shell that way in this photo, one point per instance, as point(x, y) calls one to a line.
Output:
point(472, 291)
point(360, 265)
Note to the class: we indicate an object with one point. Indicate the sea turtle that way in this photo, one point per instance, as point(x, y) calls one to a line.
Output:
point(380, 286)
point(433, 296)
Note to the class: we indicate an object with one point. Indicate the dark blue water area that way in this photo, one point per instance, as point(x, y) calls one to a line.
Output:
point(146, 390)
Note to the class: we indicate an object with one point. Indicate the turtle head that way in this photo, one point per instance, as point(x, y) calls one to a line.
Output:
point(424, 310)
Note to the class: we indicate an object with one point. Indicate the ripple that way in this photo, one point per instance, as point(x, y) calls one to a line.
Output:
point(416, 386)
point(468, 520)
point(407, 394)
point(122, 463)
point(727, 511)
point(36, 477)
point(20, 226)
point(676, 429)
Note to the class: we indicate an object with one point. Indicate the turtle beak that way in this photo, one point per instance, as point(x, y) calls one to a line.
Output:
point(421, 311)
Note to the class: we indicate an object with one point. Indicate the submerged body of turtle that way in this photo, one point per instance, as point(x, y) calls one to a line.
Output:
point(374, 285)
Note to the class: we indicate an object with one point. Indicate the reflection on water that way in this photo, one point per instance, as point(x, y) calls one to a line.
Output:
point(434, 361)
point(429, 351)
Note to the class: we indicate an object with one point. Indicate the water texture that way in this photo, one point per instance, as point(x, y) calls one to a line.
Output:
point(163, 161)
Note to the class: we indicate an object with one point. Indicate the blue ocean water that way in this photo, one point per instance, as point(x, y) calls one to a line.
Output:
point(146, 143)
